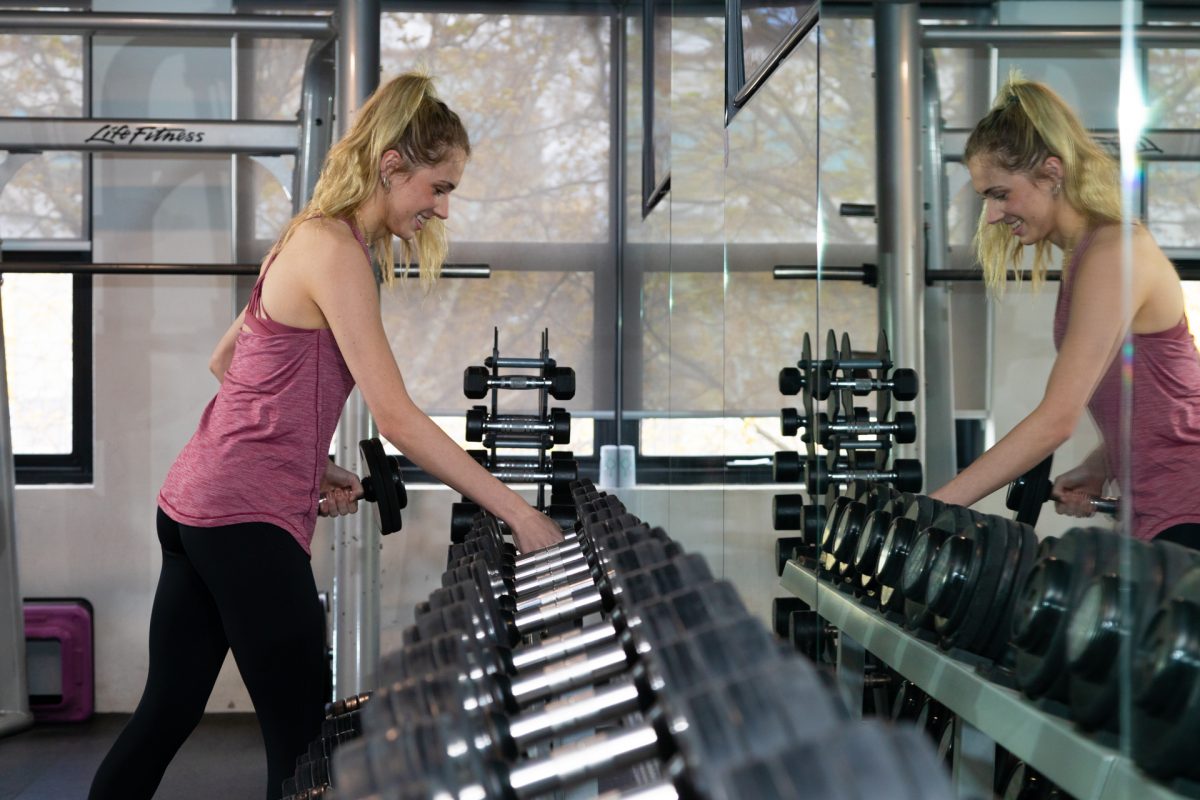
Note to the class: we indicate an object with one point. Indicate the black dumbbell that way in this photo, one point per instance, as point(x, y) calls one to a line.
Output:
point(901, 532)
point(789, 466)
point(1113, 614)
point(1028, 493)
point(903, 384)
point(706, 728)
point(1166, 688)
point(382, 486)
point(902, 427)
point(905, 473)
point(559, 382)
point(1053, 586)
point(558, 424)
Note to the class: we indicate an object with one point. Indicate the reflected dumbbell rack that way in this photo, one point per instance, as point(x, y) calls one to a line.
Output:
point(843, 442)
point(1023, 640)
point(518, 448)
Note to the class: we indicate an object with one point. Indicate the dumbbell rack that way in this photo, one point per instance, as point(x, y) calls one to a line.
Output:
point(836, 380)
point(545, 366)
point(986, 712)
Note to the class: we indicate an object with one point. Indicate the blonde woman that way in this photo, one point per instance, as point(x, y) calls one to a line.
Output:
point(1045, 183)
point(238, 508)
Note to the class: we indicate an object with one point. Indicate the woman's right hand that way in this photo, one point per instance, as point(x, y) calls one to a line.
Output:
point(1073, 490)
point(534, 531)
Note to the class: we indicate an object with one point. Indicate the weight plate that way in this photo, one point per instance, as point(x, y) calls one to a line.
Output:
point(1028, 493)
point(386, 485)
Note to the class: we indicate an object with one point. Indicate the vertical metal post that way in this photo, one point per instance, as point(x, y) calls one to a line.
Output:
point(940, 446)
point(899, 197)
point(618, 210)
point(316, 120)
point(355, 596)
point(14, 693)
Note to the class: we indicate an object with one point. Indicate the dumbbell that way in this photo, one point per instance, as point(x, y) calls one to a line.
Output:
point(792, 380)
point(902, 383)
point(894, 550)
point(840, 537)
point(914, 578)
point(973, 582)
point(558, 424)
point(1040, 618)
point(669, 658)
point(1028, 493)
point(902, 427)
point(312, 774)
point(1166, 688)
point(707, 728)
point(791, 513)
point(559, 382)
point(789, 466)
point(382, 485)
point(905, 473)
point(1113, 614)
point(874, 531)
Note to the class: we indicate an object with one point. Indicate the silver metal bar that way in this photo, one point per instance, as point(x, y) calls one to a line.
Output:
point(796, 35)
point(901, 247)
point(356, 540)
point(570, 555)
point(316, 120)
point(863, 274)
point(563, 645)
point(471, 271)
point(1041, 35)
point(574, 714)
point(939, 437)
point(37, 134)
point(574, 673)
point(552, 578)
point(594, 757)
point(564, 591)
point(1154, 144)
point(574, 608)
point(84, 22)
point(14, 694)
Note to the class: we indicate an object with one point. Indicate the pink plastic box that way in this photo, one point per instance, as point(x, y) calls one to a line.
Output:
point(69, 622)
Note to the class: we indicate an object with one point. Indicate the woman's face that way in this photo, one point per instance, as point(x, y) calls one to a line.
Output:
point(1015, 199)
point(417, 197)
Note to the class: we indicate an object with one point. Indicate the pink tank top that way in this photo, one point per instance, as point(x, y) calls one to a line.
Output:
point(1165, 426)
point(263, 441)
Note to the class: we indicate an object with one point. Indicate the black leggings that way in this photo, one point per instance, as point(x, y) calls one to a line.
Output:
point(248, 587)
point(1186, 534)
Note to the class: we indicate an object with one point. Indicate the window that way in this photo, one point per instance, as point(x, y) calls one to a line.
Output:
point(47, 317)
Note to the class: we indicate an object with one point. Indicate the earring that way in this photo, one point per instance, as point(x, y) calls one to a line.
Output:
point(387, 184)
point(1057, 188)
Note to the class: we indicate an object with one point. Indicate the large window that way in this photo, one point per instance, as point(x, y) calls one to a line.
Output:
point(47, 317)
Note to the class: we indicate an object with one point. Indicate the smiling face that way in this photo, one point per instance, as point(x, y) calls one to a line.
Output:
point(1027, 205)
point(416, 197)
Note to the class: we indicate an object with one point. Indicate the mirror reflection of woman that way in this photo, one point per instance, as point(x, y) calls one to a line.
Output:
point(1046, 183)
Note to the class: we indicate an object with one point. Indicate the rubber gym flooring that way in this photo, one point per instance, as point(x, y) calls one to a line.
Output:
point(223, 758)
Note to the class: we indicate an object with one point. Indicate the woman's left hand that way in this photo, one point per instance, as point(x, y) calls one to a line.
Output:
point(340, 491)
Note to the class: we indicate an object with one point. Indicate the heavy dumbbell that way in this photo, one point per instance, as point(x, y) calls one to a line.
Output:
point(557, 424)
point(894, 550)
point(1028, 493)
point(708, 728)
point(905, 473)
point(1040, 618)
point(1112, 615)
point(902, 427)
point(382, 486)
point(874, 531)
point(1166, 687)
point(840, 540)
point(559, 382)
point(312, 774)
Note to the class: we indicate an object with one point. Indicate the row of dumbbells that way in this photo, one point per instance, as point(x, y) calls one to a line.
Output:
point(616, 631)
point(1055, 618)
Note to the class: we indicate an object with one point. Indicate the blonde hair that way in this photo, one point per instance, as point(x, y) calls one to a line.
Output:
point(402, 115)
point(1029, 123)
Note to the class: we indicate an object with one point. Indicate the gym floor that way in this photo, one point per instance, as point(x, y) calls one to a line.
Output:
point(223, 758)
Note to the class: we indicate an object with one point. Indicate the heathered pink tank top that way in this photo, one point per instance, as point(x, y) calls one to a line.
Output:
point(263, 441)
point(1165, 426)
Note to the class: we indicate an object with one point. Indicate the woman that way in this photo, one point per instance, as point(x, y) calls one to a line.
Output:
point(1045, 182)
point(238, 508)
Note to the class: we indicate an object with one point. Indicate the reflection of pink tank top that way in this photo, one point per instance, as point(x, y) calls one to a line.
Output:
point(263, 442)
point(1165, 424)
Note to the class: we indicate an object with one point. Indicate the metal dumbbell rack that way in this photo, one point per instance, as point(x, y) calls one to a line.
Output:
point(1011, 697)
point(856, 446)
point(611, 660)
point(537, 435)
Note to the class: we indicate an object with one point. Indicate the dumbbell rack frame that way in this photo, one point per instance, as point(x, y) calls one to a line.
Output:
point(986, 713)
point(495, 362)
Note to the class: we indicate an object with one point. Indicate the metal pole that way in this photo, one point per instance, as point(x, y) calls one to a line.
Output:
point(316, 120)
point(898, 164)
point(82, 22)
point(355, 596)
point(14, 693)
point(1039, 35)
point(618, 209)
point(940, 446)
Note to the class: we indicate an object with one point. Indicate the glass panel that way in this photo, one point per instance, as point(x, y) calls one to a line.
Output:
point(39, 352)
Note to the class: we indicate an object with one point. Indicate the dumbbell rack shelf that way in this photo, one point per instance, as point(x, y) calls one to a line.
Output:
point(1081, 766)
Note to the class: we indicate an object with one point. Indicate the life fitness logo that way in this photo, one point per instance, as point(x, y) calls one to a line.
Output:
point(144, 134)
